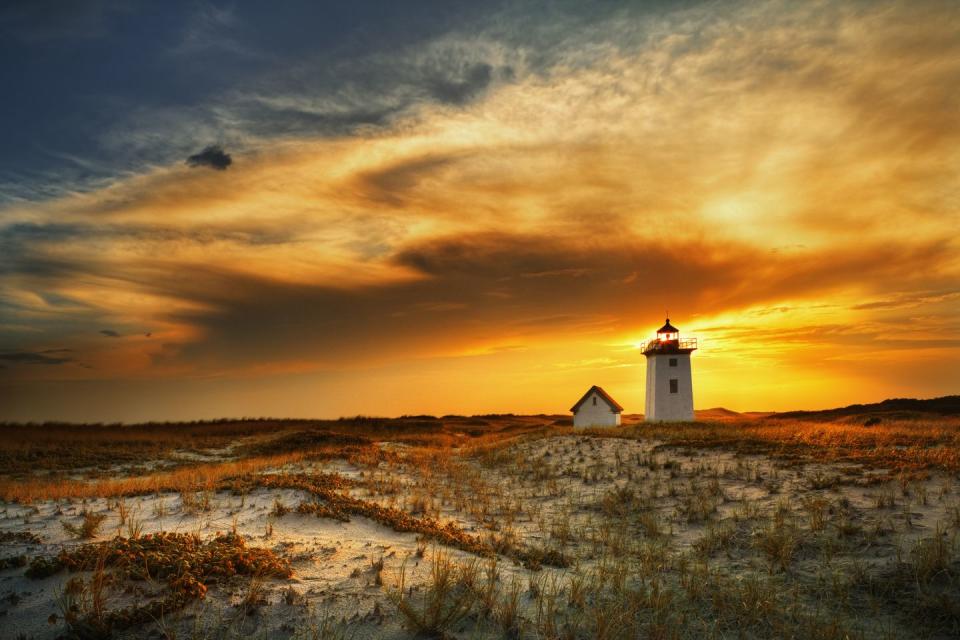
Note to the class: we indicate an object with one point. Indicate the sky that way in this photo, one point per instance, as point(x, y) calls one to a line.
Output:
point(317, 209)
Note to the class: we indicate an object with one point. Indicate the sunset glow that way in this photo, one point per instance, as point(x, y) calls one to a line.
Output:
point(487, 215)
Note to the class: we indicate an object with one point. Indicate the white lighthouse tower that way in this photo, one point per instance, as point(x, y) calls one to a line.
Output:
point(669, 382)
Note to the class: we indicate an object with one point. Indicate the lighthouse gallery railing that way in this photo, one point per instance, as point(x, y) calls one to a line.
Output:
point(670, 345)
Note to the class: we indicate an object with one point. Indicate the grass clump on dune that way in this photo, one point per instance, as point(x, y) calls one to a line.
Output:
point(88, 528)
point(444, 601)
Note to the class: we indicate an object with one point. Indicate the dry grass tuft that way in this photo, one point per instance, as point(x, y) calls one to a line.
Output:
point(444, 601)
point(89, 525)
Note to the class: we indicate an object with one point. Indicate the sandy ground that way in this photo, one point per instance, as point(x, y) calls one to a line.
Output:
point(548, 493)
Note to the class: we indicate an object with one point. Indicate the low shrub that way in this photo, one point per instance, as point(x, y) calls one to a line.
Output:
point(187, 564)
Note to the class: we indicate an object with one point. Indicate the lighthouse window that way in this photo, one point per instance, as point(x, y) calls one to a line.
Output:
point(594, 400)
point(674, 385)
point(673, 362)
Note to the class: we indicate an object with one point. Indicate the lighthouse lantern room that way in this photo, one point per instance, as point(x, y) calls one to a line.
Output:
point(669, 379)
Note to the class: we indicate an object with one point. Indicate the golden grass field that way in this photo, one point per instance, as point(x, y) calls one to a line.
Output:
point(502, 526)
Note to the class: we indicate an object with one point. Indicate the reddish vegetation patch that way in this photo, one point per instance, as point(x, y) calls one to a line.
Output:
point(321, 484)
point(19, 537)
point(184, 561)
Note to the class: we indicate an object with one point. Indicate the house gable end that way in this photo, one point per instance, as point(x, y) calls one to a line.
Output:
point(603, 395)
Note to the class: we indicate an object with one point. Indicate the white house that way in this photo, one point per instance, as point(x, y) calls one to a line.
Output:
point(669, 380)
point(596, 409)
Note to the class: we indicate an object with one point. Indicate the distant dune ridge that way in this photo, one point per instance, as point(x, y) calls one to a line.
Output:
point(893, 409)
point(898, 408)
point(718, 413)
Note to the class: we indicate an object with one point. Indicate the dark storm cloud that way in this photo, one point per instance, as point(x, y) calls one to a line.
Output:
point(110, 333)
point(45, 357)
point(213, 156)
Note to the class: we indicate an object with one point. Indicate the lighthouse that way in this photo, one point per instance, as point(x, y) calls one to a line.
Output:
point(669, 381)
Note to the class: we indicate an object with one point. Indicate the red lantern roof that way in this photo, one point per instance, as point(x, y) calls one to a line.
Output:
point(668, 328)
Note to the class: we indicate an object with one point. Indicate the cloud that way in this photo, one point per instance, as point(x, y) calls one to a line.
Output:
point(46, 357)
point(390, 184)
point(495, 288)
point(909, 300)
point(212, 156)
point(458, 90)
point(110, 333)
point(19, 239)
point(211, 29)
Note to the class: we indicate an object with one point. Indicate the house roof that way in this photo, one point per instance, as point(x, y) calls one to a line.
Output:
point(603, 396)
point(668, 328)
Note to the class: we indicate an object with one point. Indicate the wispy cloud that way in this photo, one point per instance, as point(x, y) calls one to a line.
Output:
point(47, 357)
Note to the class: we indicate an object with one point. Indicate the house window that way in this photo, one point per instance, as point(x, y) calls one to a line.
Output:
point(594, 400)
point(674, 385)
point(673, 362)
